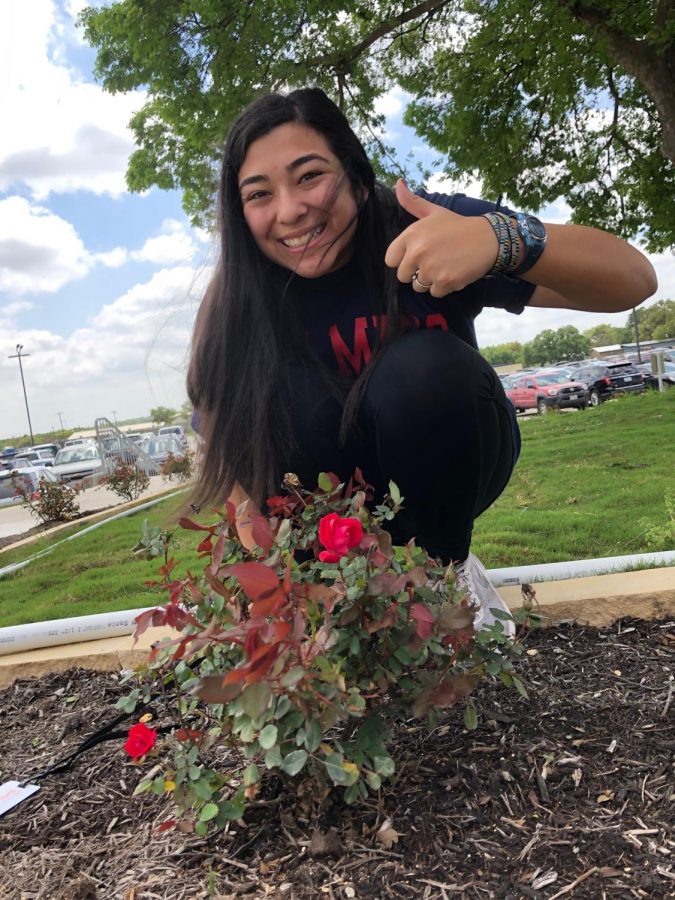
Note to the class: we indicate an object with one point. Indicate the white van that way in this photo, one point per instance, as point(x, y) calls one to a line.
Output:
point(175, 431)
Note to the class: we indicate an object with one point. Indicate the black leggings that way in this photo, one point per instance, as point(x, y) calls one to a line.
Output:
point(434, 419)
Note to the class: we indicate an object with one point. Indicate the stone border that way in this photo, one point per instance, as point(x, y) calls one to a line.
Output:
point(598, 600)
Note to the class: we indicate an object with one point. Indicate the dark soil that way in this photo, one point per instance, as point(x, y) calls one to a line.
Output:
point(571, 794)
point(10, 539)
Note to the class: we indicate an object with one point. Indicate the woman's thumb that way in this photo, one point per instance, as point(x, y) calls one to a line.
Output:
point(416, 206)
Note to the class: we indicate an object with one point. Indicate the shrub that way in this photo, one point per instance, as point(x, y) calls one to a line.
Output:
point(127, 480)
point(52, 502)
point(178, 466)
point(298, 655)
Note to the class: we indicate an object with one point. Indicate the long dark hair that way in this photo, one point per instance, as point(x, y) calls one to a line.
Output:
point(246, 331)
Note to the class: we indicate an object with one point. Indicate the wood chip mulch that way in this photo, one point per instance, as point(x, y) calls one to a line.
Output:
point(570, 794)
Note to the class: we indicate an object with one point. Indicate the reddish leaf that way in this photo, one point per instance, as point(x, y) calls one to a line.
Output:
point(165, 826)
point(216, 585)
point(213, 689)
point(259, 663)
point(219, 551)
point(189, 525)
point(387, 620)
point(424, 620)
point(455, 619)
point(450, 690)
point(267, 606)
point(188, 734)
point(256, 579)
point(261, 531)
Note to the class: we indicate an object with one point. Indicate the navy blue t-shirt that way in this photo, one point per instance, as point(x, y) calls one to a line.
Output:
point(338, 317)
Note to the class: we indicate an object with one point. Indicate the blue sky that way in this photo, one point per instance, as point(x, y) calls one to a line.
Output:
point(101, 285)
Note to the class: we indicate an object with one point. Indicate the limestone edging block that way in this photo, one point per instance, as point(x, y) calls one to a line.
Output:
point(597, 600)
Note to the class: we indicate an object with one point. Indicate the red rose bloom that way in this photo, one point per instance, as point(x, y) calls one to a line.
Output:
point(140, 740)
point(338, 536)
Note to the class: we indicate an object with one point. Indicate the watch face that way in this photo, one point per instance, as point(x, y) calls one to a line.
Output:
point(536, 228)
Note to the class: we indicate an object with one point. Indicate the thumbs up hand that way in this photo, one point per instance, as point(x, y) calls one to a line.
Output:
point(442, 251)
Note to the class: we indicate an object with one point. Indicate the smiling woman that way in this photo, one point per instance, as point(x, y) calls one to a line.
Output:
point(338, 329)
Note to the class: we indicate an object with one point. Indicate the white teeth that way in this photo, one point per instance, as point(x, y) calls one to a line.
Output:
point(303, 239)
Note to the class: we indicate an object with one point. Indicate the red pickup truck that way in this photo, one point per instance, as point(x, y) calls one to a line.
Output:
point(545, 390)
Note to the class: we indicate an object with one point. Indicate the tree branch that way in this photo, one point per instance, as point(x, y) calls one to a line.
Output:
point(384, 28)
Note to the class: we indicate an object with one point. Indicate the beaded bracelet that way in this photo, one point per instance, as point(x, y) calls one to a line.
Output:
point(509, 251)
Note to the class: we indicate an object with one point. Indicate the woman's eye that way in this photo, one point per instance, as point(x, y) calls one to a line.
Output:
point(256, 195)
point(308, 176)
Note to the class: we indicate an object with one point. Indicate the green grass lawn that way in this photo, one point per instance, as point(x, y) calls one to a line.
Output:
point(583, 483)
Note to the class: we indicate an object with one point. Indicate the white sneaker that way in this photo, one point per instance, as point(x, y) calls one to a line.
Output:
point(472, 577)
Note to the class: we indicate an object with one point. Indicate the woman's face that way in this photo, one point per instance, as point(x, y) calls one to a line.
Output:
point(297, 201)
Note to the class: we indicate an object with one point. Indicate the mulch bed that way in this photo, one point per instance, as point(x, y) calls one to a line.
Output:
point(571, 794)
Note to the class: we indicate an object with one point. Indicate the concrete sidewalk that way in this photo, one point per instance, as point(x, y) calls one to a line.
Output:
point(598, 600)
point(16, 519)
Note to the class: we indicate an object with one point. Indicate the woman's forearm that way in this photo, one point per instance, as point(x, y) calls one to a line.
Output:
point(587, 269)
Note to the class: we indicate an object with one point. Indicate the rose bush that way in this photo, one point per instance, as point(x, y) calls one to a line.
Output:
point(297, 656)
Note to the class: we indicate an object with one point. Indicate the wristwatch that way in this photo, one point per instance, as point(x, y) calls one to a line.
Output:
point(532, 233)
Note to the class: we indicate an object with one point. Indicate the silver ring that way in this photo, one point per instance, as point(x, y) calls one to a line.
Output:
point(416, 277)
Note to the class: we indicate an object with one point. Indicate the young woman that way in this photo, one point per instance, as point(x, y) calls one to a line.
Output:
point(337, 330)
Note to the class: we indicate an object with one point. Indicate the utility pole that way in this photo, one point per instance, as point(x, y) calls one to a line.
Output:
point(115, 416)
point(637, 334)
point(19, 355)
point(59, 414)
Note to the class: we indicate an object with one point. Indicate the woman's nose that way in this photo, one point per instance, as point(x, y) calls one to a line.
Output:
point(290, 207)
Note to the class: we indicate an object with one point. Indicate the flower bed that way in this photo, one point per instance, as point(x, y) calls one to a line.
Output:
point(573, 787)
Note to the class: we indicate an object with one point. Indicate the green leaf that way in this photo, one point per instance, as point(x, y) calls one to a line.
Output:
point(157, 786)
point(520, 687)
point(292, 677)
point(294, 762)
point(208, 811)
point(394, 493)
point(234, 808)
point(142, 787)
point(313, 735)
point(352, 793)
point(470, 717)
point(255, 699)
point(268, 737)
point(273, 758)
point(384, 765)
point(201, 829)
point(251, 775)
point(325, 483)
point(374, 780)
point(338, 774)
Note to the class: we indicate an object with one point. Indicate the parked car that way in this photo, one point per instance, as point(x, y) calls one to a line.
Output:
point(53, 449)
point(545, 390)
point(27, 477)
point(80, 461)
point(608, 379)
point(651, 381)
point(176, 431)
point(78, 442)
point(36, 457)
point(159, 448)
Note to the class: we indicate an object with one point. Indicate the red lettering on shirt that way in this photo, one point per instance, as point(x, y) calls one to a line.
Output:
point(436, 320)
point(360, 356)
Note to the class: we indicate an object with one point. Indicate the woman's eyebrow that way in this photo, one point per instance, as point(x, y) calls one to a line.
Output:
point(291, 167)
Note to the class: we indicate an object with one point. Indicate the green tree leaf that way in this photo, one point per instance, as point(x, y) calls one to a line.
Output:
point(255, 699)
point(208, 811)
point(268, 737)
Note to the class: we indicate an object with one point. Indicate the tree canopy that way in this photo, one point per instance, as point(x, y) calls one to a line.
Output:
point(163, 415)
point(541, 99)
point(550, 346)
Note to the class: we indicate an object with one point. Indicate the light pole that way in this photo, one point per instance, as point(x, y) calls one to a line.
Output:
point(59, 414)
point(637, 334)
point(18, 355)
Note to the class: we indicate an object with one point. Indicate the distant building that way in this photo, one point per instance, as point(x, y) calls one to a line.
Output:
point(620, 349)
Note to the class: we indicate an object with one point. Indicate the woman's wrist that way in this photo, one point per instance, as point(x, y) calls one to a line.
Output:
point(520, 242)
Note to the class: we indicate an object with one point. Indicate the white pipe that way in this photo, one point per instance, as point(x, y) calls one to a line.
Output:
point(16, 638)
point(87, 628)
point(580, 568)
point(15, 567)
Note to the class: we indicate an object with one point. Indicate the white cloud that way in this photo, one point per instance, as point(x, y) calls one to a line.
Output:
point(131, 356)
point(175, 245)
point(66, 134)
point(16, 308)
point(39, 251)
